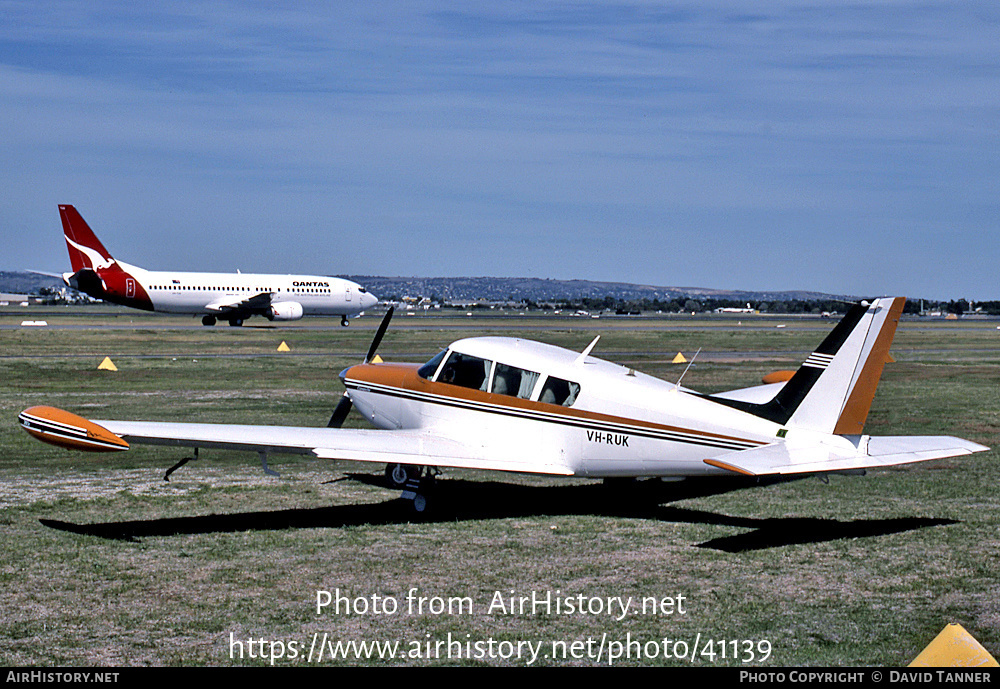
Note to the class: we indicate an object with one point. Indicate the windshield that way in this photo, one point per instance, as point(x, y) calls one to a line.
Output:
point(428, 369)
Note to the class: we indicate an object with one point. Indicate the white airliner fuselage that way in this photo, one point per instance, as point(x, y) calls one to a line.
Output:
point(219, 294)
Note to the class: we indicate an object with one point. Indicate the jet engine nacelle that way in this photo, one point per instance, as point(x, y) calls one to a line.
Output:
point(285, 311)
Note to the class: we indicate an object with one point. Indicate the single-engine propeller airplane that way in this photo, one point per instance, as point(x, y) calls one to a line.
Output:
point(233, 297)
point(515, 405)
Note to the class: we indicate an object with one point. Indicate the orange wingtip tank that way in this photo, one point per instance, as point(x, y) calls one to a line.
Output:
point(61, 428)
point(777, 377)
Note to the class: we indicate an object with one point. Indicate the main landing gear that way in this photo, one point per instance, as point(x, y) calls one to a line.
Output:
point(208, 320)
point(415, 481)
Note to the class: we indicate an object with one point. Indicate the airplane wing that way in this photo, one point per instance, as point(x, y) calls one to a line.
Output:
point(420, 447)
point(258, 302)
point(878, 451)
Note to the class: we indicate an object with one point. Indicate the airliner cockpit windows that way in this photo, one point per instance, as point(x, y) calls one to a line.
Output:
point(559, 391)
point(515, 382)
point(465, 371)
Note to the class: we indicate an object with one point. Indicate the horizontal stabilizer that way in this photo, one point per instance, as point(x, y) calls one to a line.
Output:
point(758, 394)
point(781, 458)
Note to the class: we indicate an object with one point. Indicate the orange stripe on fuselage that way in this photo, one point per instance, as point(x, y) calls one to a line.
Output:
point(404, 377)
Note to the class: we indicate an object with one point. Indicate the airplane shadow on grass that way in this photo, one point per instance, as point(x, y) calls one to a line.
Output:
point(464, 500)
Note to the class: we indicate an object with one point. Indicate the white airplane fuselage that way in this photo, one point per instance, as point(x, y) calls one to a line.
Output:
point(621, 422)
point(204, 293)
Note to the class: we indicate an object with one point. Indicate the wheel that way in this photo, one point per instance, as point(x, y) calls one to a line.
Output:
point(419, 503)
point(235, 322)
point(208, 320)
point(399, 474)
point(344, 322)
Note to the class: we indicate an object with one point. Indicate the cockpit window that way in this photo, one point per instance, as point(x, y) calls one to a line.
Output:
point(559, 391)
point(428, 369)
point(465, 371)
point(515, 382)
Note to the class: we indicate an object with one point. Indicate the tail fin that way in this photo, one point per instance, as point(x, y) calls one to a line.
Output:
point(85, 249)
point(833, 390)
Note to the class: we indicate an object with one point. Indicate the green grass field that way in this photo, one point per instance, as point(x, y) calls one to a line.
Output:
point(104, 563)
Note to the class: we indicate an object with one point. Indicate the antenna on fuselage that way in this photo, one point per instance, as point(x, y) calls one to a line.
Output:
point(586, 352)
point(678, 384)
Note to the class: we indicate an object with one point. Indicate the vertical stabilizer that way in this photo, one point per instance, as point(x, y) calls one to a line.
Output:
point(842, 395)
point(85, 249)
point(833, 390)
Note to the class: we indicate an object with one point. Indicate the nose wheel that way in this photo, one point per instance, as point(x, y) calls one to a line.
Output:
point(344, 322)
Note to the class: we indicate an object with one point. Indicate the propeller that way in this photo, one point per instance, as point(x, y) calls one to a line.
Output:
point(344, 406)
point(379, 334)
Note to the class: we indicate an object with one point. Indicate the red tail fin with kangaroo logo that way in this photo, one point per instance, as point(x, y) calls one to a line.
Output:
point(85, 249)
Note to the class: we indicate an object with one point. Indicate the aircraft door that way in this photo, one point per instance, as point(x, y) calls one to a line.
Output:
point(347, 295)
point(130, 288)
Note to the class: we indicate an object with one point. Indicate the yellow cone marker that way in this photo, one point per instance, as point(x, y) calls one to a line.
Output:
point(284, 347)
point(376, 360)
point(679, 359)
point(107, 365)
point(954, 647)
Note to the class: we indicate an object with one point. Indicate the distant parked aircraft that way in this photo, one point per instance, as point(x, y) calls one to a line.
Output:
point(232, 297)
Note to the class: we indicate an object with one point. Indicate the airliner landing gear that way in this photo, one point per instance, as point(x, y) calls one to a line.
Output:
point(208, 320)
point(344, 322)
point(235, 322)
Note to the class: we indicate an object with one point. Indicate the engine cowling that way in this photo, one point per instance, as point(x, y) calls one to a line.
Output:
point(285, 311)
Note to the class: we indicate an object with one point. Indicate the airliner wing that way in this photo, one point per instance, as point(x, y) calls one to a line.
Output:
point(781, 458)
point(258, 302)
point(421, 447)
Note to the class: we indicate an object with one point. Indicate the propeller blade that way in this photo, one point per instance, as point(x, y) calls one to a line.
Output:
point(379, 334)
point(341, 412)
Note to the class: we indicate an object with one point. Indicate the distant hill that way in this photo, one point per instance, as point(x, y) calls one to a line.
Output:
point(489, 289)
point(539, 289)
point(26, 283)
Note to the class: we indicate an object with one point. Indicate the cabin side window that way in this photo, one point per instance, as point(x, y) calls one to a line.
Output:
point(515, 382)
point(465, 371)
point(559, 391)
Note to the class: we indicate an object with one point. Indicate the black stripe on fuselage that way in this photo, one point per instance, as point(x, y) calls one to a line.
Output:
point(550, 417)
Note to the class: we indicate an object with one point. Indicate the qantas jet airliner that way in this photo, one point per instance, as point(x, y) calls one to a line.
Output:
point(232, 297)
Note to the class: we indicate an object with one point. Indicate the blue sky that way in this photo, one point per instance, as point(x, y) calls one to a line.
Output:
point(847, 148)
